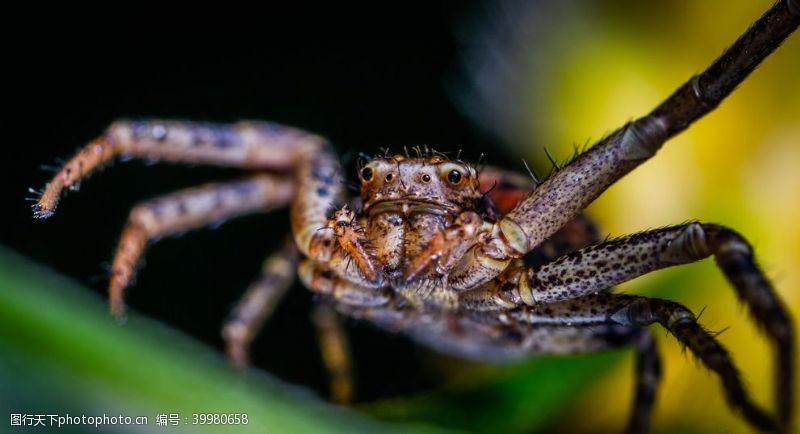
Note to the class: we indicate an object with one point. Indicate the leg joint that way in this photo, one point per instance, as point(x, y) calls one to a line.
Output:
point(642, 138)
point(690, 244)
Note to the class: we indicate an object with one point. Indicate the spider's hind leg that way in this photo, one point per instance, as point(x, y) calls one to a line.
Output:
point(682, 324)
point(189, 209)
point(634, 311)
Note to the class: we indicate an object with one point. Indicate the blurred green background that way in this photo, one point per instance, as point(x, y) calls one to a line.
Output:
point(369, 78)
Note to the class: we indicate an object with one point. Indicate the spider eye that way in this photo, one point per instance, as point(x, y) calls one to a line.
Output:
point(454, 176)
point(366, 174)
point(389, 177)
point(426, 178)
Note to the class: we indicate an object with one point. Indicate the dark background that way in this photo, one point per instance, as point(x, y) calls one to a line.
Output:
point(366, 77)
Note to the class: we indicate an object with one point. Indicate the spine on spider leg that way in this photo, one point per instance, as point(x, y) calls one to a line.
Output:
point(563, 195)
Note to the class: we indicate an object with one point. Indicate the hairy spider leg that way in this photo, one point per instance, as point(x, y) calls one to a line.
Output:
point(335, 350)
point(607, 308)
point(628, 257)
point(312, 189)
point(189, 209)
point(564, 194)
point(249, 145)
point(258, 303)
point(682, 324)
point(596, 268)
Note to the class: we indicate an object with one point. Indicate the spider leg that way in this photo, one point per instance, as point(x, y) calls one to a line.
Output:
point(682, 324)
point(258, 303)
point(335, 350)
point(562, 196)
point(581, 274)
point(251, 145)
point(185, 210)
point(648, 374)
point(592, 269)
point(505, 189)
point(576, 234)
point(626, 310)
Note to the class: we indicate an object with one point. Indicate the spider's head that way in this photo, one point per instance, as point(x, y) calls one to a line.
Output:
point(423, 184)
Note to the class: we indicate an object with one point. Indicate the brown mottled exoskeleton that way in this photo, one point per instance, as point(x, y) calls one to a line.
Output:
point(484, 264)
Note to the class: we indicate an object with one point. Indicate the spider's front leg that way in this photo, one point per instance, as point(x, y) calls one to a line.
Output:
point(562, 196)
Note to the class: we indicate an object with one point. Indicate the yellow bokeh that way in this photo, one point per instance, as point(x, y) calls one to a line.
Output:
point(739, 166)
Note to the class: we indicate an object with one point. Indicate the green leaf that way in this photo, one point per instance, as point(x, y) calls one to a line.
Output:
point(60, 353)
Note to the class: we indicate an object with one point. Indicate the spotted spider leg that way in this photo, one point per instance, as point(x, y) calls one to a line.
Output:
point(648, 374)
point(592, 269)
point(569, 190)
point(189, 209)
point(258, 303)
point(248, 145)
point(627, 310)
point(564, 194)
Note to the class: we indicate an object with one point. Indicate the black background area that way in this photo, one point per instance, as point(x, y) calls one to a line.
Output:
point(364, 77)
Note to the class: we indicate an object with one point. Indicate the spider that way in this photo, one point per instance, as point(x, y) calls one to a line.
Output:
point(484, 263)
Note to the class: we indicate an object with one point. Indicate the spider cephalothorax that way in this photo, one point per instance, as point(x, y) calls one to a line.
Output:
point(406, 203)
point(434, 252)
point(419, 218)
